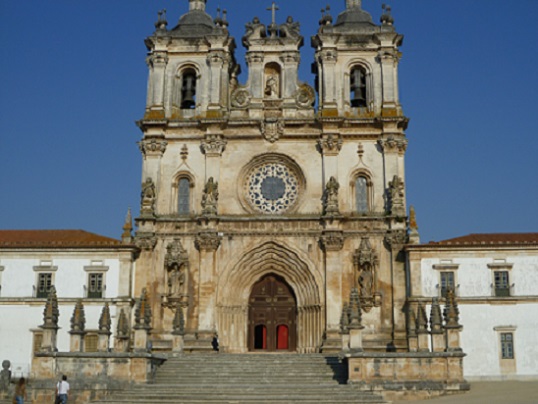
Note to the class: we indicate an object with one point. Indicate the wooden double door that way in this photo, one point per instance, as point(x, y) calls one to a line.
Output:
point(272, 322)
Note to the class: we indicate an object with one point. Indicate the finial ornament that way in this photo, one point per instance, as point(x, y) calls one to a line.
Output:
point(353, 4)
point(197, 5)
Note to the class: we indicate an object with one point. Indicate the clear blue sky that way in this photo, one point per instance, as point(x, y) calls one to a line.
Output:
point(74, 82)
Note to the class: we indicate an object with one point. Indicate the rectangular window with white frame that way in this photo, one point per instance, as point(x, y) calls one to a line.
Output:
point(446, 277)
point(501, 278)
point(506, 348)
point(45, 273)
point(96, 286)
point(507, 345)
point(502, 283)
point(447, 282)
point(44, 283)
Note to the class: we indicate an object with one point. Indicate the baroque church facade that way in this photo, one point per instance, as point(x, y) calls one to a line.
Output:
point(260, 213)
point(273, 218)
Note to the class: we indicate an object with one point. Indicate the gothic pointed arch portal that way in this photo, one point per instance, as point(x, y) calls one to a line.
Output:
point(272, 316)
point(236, 284)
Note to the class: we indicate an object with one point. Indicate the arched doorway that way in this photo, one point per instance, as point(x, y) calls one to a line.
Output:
point(272, 316)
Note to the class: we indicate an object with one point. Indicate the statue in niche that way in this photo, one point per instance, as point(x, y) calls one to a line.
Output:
point(271, 86)
point(366, 282)
point(290, 29)
point(365, 262)
point(176, 263)
point(255, 30)
point(148, 197)
point(331, 197)
point(210, 197)
point(176, 281)
point(396, 195)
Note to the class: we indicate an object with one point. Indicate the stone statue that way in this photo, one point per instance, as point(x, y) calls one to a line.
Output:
point(255, 30)
point(396, 195)
point(176, 262)
point(148, 197)
point(271, 86)
point(331, 197)
point(290, 29)
point(176, 281)
point(365, 282)
point(5, 376)
point(210, 197)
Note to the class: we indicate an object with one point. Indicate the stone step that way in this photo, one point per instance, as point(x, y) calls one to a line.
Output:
point(247, 379)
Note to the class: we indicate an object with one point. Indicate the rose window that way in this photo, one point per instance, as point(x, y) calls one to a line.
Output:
point(272, 188)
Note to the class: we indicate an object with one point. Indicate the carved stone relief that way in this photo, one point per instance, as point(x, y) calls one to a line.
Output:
point(147, 196)
point(176, 264)
point(272, 129)
point(210, 198)
point(365, 261)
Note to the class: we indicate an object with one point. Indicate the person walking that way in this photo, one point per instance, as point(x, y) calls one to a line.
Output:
point(20, 392)
point(62, 391)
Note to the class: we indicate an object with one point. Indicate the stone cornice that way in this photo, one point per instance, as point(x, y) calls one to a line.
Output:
point(491, 300)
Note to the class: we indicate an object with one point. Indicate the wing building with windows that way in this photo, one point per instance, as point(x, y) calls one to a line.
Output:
point(273, 218)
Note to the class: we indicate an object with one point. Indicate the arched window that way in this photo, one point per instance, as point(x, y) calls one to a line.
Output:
point(358, 87)
point(188, 89)
point(183, 196)
point(361, 195)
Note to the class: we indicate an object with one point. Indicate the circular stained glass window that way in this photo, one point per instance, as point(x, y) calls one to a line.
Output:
point(272, 188)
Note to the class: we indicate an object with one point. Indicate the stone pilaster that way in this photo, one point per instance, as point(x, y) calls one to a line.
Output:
point(332, 242)
point(207, 242)
point(78, 321)
point(155, 99)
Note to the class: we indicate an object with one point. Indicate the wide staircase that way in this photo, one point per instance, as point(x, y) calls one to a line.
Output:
point(248, 379)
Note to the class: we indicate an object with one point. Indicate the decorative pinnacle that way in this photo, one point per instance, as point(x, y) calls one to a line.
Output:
point(51, 312)
point(452, 313)
point(126, 236)
point(143, 312)
point(436, 320)
point(123, 326)
point(78, 320)
point(422, 319)
point(105, 320)
point(387, 18)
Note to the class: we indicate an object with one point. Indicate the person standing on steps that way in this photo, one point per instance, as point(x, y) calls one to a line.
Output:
point(62, 391)
point(20, 392)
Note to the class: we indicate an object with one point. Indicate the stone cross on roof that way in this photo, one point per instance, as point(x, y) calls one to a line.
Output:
point(273, 10)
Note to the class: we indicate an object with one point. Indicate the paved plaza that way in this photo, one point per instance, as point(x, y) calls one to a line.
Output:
point(505, 392)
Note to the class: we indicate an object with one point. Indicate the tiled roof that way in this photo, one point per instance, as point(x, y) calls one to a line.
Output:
point(490, 239)
point(54, 238)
